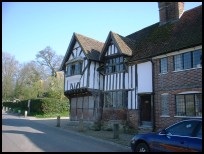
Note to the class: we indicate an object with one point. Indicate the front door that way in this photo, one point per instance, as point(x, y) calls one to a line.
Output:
point(145, 107)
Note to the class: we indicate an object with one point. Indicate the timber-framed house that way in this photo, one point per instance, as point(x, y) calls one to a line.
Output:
point(148, 79)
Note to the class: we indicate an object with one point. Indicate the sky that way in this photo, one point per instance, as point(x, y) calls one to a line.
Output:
point(29, 27)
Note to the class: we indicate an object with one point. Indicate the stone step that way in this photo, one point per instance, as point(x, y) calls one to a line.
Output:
point(144, 129)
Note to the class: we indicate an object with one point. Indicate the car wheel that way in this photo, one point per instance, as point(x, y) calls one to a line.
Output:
point(142, 147)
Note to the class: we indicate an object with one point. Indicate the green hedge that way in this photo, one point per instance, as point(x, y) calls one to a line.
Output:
point(41, 105)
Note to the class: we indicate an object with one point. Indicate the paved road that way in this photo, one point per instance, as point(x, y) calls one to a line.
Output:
point(23, 135)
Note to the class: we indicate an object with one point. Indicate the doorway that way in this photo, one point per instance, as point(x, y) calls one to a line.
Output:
point(145, 107)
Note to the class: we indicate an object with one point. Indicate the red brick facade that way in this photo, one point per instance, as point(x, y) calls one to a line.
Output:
point(173, 83)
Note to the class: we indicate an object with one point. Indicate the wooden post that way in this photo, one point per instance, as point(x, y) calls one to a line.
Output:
point(81, 125)
point(58, 121)
point(116, 131)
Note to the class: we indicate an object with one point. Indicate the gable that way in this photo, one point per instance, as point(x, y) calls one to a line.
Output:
point(112, 50)
point(82, 46)
point(76, 51)
point(116, 44)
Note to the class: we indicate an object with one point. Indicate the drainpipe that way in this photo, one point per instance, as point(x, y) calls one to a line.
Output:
point(153, 95)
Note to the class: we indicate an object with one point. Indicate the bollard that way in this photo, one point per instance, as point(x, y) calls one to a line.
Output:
point(58, 121)
point(26, 112)
point(115, 131)
point(81, 125)
point(6, 108)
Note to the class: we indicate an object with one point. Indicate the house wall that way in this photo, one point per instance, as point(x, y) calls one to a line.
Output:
point(122, 81)
point(172, 83)
point(89, 79)
point(117, 82)
point(144, 77)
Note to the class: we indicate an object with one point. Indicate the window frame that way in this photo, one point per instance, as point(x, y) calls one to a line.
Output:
point(71, 68)
point(197, 106)
point(183, 60)
point(111, 103)
point(162, 65)
point(112, 65)
point(165, 105)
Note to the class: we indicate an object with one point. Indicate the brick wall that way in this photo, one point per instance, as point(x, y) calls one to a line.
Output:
point(133, 118)
point(173, 83)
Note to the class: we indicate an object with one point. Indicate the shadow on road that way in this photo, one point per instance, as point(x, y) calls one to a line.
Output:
point(38, 132)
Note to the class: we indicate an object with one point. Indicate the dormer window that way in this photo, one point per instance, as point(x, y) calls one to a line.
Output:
point(74, 68)
point(114, 65)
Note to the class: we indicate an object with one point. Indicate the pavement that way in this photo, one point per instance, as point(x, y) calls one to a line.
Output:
point(67, 125)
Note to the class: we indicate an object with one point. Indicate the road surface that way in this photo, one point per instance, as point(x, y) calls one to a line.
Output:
point(23, 135)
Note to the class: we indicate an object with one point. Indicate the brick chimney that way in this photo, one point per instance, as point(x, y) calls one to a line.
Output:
point(170, 11)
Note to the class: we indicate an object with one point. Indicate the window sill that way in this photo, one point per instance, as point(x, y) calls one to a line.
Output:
point(188, 69)
point(163, 73)
point(164, 116)
point(188, 117)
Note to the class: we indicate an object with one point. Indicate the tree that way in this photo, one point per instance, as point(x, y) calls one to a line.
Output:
point(55, 87)
point(9, 71)
point(27, 81)
point(47, 58)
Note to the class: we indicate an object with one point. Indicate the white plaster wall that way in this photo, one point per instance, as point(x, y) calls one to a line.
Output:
point(144, 72)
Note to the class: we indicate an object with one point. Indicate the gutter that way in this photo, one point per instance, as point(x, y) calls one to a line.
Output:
point(153, 93)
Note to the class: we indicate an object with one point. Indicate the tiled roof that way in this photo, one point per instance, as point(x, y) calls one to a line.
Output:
point(156, 40)
point(123, 43)
point(91, 47)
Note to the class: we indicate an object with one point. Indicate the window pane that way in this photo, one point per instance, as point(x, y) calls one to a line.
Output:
point(165, 104)
point(68, 70)
point(108, 100)
point(198, 104)
point(117, 61)
point(163, 65)
point(120, 99)
point(178, 64)
point(76, 69)
point(117, 68)
point(115, 100)
point(187, 60)
point(125, 99)
point(180, 105)
point(121, 59)
point(122, 67)
point(189, 105)
point(73, 69)
point(197, 57)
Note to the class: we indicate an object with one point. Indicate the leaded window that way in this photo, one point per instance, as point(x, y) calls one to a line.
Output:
point(163, 65)
point(189, 105)
point(114, 65)
point(115, 99)
point(74, 69)
point(165, 104)
point(188, 60)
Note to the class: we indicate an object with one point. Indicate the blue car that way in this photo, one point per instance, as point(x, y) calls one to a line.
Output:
point(183, 136)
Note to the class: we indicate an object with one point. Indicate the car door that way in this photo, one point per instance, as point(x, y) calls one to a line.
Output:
point(176, 138)
point(169, 143)
point(195, 142)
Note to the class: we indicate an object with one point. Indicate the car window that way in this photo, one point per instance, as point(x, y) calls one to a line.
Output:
point(184, 128)
point(199, 134)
